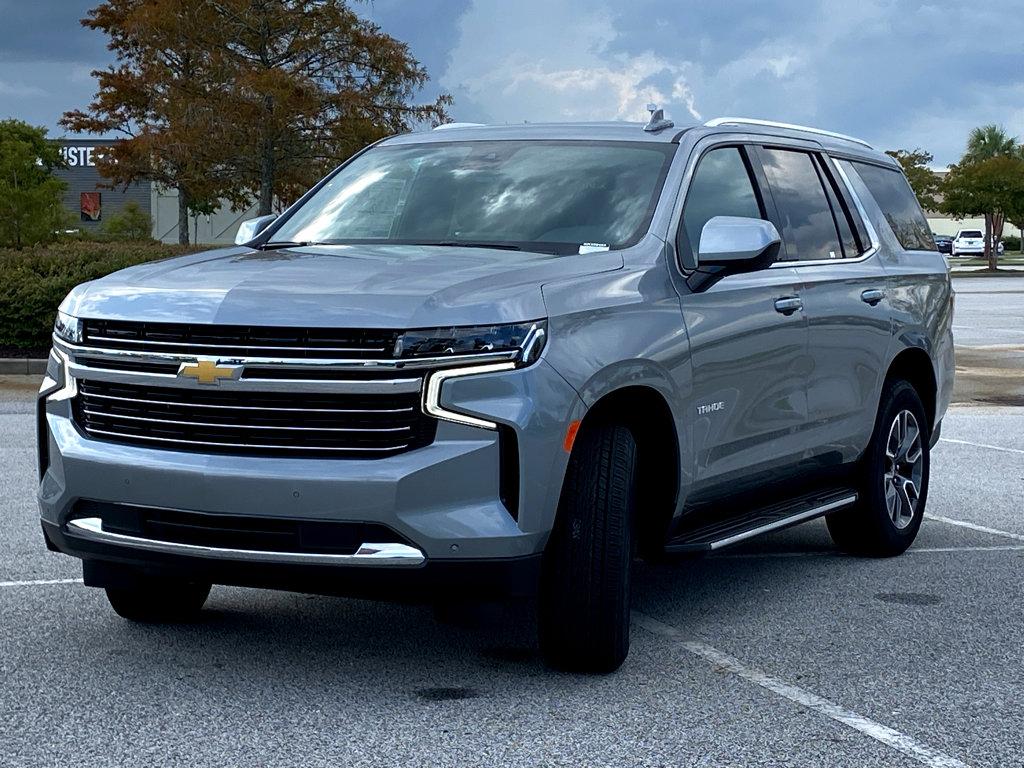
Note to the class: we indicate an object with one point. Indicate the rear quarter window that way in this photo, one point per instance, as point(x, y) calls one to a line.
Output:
point(894, 196)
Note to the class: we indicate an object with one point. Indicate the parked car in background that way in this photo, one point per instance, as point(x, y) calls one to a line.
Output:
point(508, 360)
point(944, 243)
point(968, 243)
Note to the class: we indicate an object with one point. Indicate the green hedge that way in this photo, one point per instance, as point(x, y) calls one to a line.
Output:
point(34, 281)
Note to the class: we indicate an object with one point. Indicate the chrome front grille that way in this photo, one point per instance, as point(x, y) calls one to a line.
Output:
point(288, 392)
point(236, 341)
point(354, 425)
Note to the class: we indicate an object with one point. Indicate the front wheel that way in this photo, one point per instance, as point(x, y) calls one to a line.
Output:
point(894, 479)
point(156, 601)
point(585, 586)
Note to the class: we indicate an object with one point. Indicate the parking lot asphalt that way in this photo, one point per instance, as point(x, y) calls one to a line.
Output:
point(989, 311)
point(778, 652)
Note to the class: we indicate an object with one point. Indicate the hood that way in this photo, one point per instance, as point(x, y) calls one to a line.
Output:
point(336, 286)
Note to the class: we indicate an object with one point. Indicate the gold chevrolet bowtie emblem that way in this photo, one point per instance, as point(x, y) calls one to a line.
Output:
point(207, 371)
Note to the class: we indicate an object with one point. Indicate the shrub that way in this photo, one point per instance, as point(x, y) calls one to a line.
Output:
point(35, 280)
point(1011, 243)
point(130, 223)
point(31, 208)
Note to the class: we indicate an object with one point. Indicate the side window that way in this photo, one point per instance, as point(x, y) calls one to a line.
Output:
point(720, 186)
point(808, 227)
point(852, 246)
point(894, 196)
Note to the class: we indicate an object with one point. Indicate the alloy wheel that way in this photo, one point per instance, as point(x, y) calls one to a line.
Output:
point(904, 469)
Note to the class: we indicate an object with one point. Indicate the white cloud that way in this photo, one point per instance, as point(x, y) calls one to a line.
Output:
point(888, 70)
point(554, 66)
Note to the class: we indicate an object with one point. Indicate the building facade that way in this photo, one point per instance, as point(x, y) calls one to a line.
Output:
point(90, 199)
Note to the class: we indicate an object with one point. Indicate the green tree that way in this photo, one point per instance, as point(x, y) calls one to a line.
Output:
point(31, 204)
point(987, 142)
point(162, 96)
point(993, 188)
point(923, 180)
point(130, 223)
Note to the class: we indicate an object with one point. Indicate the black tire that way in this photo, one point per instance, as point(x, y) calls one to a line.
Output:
point(871, 528)
point(585, 583)
point(159, 601)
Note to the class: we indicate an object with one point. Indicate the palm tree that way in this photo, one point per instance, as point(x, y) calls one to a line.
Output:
point(984, 143)
point(989, 141)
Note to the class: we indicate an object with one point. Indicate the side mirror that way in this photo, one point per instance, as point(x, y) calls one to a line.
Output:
point(738, 243)
point(250, 228)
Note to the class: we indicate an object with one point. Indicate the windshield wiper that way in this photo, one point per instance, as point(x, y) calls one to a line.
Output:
point(284, 244)
point(471, 244)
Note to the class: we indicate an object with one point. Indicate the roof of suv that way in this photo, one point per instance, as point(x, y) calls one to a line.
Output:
point(622, 131)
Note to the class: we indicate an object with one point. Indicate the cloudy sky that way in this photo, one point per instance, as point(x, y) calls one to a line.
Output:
point(896, 72)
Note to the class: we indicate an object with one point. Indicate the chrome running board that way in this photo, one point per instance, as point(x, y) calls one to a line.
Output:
point(729, 531)
point(368, 554)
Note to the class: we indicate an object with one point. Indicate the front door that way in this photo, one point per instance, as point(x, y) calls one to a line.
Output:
point(748, 346)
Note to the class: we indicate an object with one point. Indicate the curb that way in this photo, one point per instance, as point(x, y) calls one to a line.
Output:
point(22, 365)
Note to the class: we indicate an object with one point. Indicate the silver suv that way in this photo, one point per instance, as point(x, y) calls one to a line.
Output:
point(507, 360)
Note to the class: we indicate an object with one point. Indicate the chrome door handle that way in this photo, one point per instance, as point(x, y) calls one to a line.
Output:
point(872, 296)
point(787, 305)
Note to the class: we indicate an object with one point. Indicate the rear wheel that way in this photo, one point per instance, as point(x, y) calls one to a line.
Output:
point(894, 479)
point(585, 587)
point(159, 600)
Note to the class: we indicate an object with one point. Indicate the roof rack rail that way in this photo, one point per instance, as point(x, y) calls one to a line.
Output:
point(446, 126)
point(719, 121)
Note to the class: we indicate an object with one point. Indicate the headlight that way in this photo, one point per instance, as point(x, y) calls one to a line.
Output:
point(469, 340)
point(68, 328)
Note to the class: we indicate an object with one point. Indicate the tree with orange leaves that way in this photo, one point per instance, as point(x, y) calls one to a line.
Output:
point(245, 99)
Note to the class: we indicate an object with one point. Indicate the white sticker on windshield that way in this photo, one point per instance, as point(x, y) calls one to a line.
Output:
point(589, 248)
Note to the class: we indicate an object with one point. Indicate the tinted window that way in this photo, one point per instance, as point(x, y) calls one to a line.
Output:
point(841, 214)
point(892, 192)
point(720, 186)
point(537, 195)
point(808, 228)
point(970, 234)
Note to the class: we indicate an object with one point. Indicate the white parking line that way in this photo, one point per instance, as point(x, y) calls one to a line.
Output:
point(976, 549)
point(975, 527)
point(912, 550)
point(982, 445)
point(876, 731)
point(28, 582)
point(982, 328)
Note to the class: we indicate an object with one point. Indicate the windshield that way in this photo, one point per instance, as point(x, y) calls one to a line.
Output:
point(970, 234)
point(554, 196)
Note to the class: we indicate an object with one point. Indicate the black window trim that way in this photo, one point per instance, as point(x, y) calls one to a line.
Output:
point(863, 228)
point(848, 204)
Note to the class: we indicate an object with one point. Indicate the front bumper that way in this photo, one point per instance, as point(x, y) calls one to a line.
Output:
point(111, 565)
point(444, 500)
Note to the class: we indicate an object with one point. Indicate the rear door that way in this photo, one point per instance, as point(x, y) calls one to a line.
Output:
point(843, 286)
point(748, 342)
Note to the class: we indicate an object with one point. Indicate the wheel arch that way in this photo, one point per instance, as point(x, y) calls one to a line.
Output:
point(915, 365)
point(645, 411)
